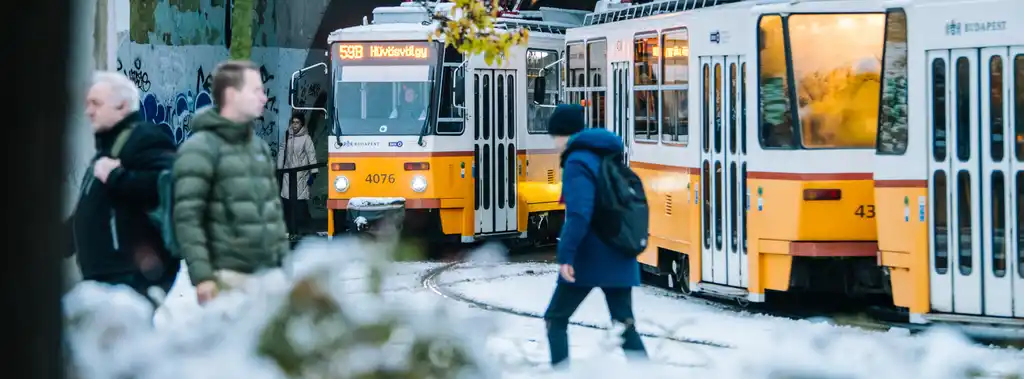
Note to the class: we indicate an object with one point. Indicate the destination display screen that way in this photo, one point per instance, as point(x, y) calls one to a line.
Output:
point(391, 52)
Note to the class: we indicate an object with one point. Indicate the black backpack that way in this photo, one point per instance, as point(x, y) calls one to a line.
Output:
point(620, 216)
point(161, 215)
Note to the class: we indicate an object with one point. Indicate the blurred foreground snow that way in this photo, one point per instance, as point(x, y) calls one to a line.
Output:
point(328, 314)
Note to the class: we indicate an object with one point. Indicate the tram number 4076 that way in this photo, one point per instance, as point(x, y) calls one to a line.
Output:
point(380, 178)
point(865, 211)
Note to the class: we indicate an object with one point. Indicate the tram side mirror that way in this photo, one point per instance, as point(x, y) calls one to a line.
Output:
point(294, 89)
point(459, 95)
point(539, 86)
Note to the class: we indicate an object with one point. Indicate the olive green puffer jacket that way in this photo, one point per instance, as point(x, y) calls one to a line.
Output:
point(227, 212)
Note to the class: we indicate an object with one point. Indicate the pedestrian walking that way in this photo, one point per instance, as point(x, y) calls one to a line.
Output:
point(586, 260)
point(298, 151)
point(113, 238)
point(227, 209)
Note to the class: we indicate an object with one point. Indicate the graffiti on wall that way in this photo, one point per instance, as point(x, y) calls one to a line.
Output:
point(175, 109)
point(266, 125)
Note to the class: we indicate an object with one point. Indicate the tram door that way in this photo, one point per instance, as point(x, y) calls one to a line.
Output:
point(975, 181)
point(494, 151)
point(723, 141)
point(620, 124)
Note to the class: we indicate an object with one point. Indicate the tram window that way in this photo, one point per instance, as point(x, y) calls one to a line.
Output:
point(705, 192)
point(718, 108)
point(486, 127)
point(597, 59)
point(449, 117)
point(939, 129)
point(743, 109)
point(732, 108)
point(744, 204)
point(1020, 223)
point(645, 114)
point(499, 102)
point(995, 103)
point(476, 95)
point(776, 118)
point(963, 223)
point(511, 83)
point(963, 109)
point(1018, 79)
point(675, 116)
point(940, 233)
point(892, 122)
point(538, 114)
point(837, 83)
point(705, 102)
point(645, 88)
point(998, 225)
point(676, 47)
point(645, 60)
point(576, 63)
point(675, 105)
point(719, 200)
point(734, 207)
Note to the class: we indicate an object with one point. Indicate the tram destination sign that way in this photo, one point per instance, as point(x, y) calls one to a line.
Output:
point(384, 52)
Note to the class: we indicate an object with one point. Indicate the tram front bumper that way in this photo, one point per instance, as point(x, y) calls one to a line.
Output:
point(376, 215)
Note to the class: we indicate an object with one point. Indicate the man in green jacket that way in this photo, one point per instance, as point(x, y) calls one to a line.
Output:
point(227, 212)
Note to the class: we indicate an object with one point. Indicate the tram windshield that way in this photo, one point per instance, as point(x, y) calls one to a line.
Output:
point(836, 68)
point(383, 88)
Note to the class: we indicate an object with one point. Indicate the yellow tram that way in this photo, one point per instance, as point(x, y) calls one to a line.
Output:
point(768, 186)
point(460, 140)
point(949, 170)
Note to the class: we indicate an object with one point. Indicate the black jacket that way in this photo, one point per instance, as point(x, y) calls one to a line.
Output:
point(110, 230)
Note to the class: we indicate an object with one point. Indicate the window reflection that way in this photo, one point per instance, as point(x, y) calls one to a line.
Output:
point(837, 67)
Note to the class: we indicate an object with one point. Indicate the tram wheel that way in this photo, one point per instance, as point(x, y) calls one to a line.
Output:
point(680, 275)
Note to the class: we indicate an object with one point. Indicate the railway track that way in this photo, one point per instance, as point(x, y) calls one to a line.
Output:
point(839, 313)
point(429, 281)
point(863, 320)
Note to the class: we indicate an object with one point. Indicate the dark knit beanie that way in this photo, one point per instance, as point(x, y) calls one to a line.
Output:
point(566, 120)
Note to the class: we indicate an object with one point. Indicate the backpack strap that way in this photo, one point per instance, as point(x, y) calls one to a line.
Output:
point(122, 139)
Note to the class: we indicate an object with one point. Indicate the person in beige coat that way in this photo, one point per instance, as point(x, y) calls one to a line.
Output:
point(297, 151)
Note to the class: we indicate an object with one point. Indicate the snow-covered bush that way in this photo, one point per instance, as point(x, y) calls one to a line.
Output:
point(326, 314)
point(298, 322)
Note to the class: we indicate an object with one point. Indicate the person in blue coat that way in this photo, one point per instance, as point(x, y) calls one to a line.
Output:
point(585, 262)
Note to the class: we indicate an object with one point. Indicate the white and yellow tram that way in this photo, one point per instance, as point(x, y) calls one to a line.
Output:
point(949, 172)
point(768, 186)
point(461, 140)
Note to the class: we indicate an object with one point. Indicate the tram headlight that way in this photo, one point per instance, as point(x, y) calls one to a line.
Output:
point(419, 183)
point(341, 183)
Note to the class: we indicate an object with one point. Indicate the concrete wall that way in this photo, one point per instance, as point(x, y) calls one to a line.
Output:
point(175, 45)
point(175, 81)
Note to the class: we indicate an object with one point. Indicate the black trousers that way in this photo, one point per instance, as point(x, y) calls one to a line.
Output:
point(564, 302)
point(300, 223)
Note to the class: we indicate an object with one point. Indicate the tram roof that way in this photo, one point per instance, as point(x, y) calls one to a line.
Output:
point(411, 21)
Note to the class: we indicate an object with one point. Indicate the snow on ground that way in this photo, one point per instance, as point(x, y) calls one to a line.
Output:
point(528, 287)
point(766, 347)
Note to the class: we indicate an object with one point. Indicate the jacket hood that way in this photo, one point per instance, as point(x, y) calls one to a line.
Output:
point(302, 131)
point(209, 119)
point(598, 140)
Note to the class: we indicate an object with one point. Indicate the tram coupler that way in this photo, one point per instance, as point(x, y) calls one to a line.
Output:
point(376, 217)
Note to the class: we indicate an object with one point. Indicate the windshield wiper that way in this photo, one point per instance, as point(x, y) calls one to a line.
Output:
point(337, 127)
point(426, 121)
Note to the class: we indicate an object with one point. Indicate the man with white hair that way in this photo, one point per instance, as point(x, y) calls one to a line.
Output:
point(114, 239)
